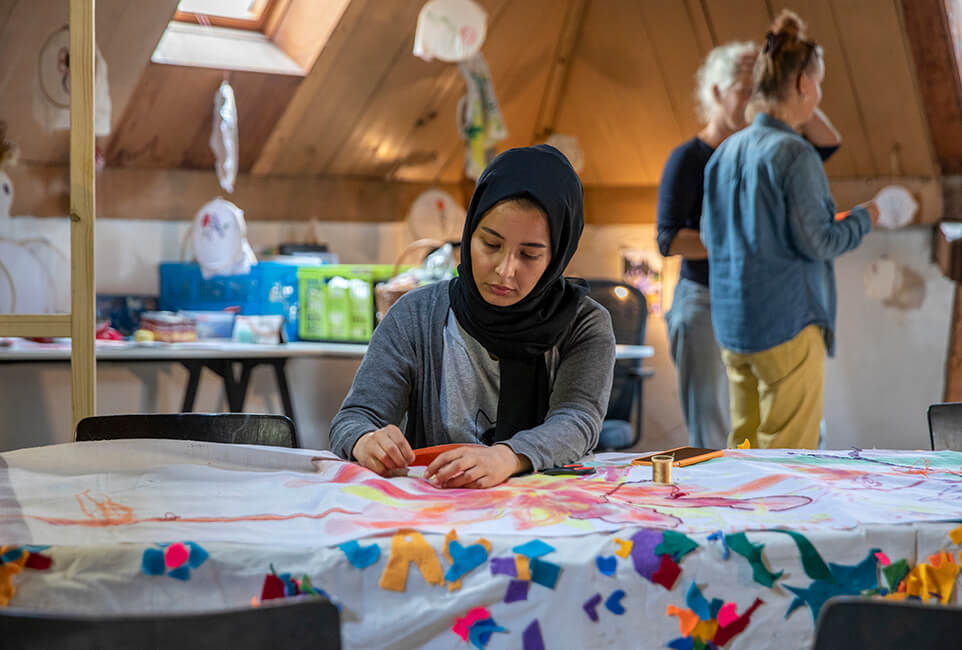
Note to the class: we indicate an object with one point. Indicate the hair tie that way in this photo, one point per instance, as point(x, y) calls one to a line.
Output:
point(774, 42)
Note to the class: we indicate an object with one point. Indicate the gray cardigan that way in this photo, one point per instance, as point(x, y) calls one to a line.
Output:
point(401, 376)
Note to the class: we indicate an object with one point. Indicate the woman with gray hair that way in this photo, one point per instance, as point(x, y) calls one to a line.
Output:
point(723, 88)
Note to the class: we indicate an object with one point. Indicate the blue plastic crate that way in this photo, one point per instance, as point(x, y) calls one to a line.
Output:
point(269, 288)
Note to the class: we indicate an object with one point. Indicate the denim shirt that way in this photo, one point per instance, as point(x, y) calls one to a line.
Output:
point(768, 222)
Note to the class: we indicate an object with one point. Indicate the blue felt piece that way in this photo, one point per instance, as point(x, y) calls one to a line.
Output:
point(197, 555)
point(359, 556)
point(480, 633)
point(12, 554)
point(716, 605)
point(847, 581)
point(181, 573)
point(534, 548)
point(682, 643)
point(719, 536)
point(464, 559)
point(290, 587)
point(544, 573)
point(697, 603)
point(613, 603)
point(35, 549)
point(607, 565)
point(153, 562)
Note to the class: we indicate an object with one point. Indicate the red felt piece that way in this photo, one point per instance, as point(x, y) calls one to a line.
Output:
point(273, 587)
point(667, 572)
point(39, 562)
point(730, 631)
point(176, 555)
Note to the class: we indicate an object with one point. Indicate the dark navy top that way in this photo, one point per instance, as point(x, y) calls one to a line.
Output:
point(680, 194)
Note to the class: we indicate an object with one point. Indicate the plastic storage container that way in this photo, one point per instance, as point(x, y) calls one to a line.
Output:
point(212, 324)
point(270, 288)
point(337, 301)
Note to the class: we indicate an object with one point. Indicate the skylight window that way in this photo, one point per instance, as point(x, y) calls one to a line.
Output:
point(238, 14)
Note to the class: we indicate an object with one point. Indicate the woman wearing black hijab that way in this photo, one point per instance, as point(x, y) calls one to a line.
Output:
point(510, 356)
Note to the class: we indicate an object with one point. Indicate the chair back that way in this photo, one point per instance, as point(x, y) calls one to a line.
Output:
point(629, 315)
point(292, 624)
point(846, 623)
point(240, 428)
point(945, 426)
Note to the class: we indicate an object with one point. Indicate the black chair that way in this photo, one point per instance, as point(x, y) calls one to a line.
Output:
point(945, 426)
point(850, 622)
point(629, 315)
point(292, 624)
point(240, 428)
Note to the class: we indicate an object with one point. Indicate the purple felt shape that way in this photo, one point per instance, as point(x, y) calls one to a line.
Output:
point(531, 638)
point(517, 590)
point(643, 552)
point(504, 566)
point(591, 607)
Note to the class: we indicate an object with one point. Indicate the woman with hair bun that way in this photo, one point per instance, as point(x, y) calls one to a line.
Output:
point(769, 229)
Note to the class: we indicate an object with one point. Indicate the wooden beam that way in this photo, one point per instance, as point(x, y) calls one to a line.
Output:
point(35, 325)
point(934, 54)
point(83, 364)
point(953, 358)
point(560, 71)
point(177, 194)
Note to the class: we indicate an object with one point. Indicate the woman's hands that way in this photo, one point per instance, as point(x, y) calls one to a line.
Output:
point(383, 450)
point(476, 466)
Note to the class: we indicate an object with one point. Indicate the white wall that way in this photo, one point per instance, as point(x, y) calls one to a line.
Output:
point(890, 364)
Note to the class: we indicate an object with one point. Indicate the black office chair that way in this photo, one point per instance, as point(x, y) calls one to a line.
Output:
point(850, 622)
point(291, 623)
point(945, 426)
point(240, 428)
point(629, 315)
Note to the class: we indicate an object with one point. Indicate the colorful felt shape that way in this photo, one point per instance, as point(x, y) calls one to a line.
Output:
point(359, 556)
point(697, 602)
point(545, 573)
point(705, 631)
point(613, 602)
point(504, 566)
point(937, 578)
point(895, 572)
point(687, 619)
point(846, 581)
point(716, 605)
point(624, 547)
point(667, 573)
point(273, 587)
point(152, 562)
point(480, 633)
point(719, 536)
point(463, 624)
point(38, 561)
point(956, 534)
point(675, 544)
point(591, 607)
point(643, 552)
point(534, 548)
point(464, 559)
point(726, 614)
point(517, 590)
point(176, 560)
point(726, 633)
point(531, 638)
point(883, 559)
point(744, 444)
point(682, 643)
point(176, 555)
point(197, 555)
point(739, 543)
point(522, 567)
point(409, 546)
point(812, 562)
point(607, 564)
point(8, 569)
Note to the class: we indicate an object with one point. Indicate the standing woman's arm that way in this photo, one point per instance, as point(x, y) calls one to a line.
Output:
point(579, 396)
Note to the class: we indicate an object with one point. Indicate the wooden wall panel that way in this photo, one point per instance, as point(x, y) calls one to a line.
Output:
point(882, 75)
point(737, 20)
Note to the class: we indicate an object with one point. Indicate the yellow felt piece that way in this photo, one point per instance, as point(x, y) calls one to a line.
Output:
point(956, 535)
point(524, 569)
point(687, 619)
point(926, 580)
point(7, 571)
point(624, 547)
point(705, 630)
point(451, 536)
point(410, 546)
point(744, 444)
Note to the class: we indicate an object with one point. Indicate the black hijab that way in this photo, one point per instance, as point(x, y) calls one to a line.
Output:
point(519, 335)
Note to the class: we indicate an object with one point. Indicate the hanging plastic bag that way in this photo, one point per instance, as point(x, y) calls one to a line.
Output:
point(223, 136)
point(450, 30)
point(219, 237)
point(479, 116)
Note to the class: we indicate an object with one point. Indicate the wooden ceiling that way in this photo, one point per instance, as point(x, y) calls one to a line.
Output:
point(618, 74)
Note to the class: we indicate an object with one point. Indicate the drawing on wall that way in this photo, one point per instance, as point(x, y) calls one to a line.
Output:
point(643, 269)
